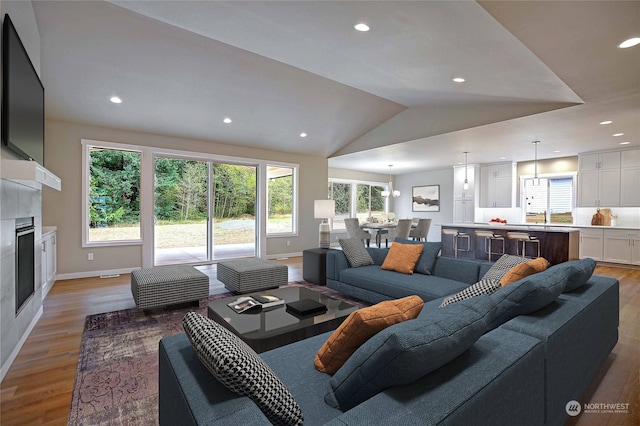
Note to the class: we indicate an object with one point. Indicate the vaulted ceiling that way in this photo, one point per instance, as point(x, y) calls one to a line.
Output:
point(548, 71)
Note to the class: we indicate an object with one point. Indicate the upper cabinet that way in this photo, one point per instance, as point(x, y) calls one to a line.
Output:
point(458, 182)
point(607, 179)
point(629, 178)
point(497, 185)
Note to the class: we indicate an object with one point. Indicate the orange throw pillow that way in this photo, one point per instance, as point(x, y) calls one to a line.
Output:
point(360, 326)
point(524, 270)
point(402, 257)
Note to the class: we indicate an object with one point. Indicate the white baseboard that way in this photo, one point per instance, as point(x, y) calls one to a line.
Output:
point(89, 274)
point(283, 255)
point(16, 350)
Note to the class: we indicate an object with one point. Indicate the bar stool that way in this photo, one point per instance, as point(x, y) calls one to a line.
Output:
point(490, 237)
point(455, 234)
point(525, 238)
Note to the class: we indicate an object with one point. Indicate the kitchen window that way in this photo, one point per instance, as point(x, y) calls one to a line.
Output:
point(549, 199)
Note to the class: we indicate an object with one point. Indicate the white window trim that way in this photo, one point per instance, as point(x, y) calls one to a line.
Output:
point(572, 175)
point(86, 147)
point(295, 202)
point(354, 191)
point(148, 153)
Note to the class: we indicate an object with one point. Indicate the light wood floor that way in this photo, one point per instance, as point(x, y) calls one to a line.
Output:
point(37, 388)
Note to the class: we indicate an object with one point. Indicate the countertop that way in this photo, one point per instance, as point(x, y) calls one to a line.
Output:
point(48, 229)
point(534, 226)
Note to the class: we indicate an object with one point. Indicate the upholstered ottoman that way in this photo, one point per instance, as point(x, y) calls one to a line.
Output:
point(167, 285)
point(247, 275)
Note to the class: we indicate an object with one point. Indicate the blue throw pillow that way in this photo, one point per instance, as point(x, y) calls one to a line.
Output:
point(405, 352)
point(428, 257)
point(579, 272)
point(528, 295)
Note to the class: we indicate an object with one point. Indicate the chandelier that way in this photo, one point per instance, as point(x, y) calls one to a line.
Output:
point(390, 191)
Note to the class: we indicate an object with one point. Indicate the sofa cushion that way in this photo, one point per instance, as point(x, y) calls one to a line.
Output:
point(502, 266)
point(360, 326)
point(428, 257)
point(579, 272)
point(528, 295)
point(356, 253)
point(402, 258)
point(482, 287)
point(240, 369)
point(525, 269)
point(405, 352)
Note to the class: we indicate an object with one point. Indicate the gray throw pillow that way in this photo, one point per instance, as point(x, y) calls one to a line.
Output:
point(234, 364)
point(528, 295)
point(579, 272)
point(502, 266)
point(482, 287)
point(405, 352)
point(356, 253)
point(427, 258)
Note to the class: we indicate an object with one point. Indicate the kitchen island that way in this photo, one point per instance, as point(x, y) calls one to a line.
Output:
point(557, 243)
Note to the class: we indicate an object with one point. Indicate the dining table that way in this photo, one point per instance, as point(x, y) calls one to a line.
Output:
point(380, 228)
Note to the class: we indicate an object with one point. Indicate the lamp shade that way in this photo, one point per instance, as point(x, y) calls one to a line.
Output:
point(324, 209)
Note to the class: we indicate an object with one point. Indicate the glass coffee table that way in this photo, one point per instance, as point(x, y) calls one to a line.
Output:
point(269, 328)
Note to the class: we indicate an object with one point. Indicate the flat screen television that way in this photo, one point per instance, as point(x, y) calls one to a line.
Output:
point(22, 98)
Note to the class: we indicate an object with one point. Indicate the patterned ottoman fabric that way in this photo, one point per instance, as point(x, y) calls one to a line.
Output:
point(247, 275)
point(168, 285)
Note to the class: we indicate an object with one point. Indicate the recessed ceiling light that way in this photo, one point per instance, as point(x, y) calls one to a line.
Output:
point(459, 80)
point(227, 120)
point(629, 43)
point(303, 135)
point(556, 151)
point(361, 27)
point(618, 134)
point(503, 158)
point(116, 100)
point(625, 143)
point(606, 122)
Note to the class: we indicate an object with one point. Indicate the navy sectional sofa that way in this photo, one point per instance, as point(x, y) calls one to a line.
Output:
point(523, 371)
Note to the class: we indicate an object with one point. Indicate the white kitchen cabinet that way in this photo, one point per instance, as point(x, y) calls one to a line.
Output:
point(49, 261)
point(629, 178)
point(599, 180)
point(497, 185)
point(463, 210)
point(622, 246)
point(458, 182)
point(591, 243)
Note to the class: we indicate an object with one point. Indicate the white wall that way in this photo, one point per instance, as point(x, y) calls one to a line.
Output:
point(63, 209)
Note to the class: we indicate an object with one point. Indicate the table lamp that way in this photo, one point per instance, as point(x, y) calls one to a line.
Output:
point(324, 209)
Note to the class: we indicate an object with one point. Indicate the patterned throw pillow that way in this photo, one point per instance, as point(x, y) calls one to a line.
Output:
point(360, 326)
point(234, 364)
point(356, 253)
point(484, 286)
point(502, 266)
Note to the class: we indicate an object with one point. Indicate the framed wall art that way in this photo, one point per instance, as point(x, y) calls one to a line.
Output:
point(426, 198)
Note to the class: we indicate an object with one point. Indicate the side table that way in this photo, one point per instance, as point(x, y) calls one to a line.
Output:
point(314, 265)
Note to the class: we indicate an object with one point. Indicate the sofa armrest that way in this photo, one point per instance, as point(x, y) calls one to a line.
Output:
point(336, 262)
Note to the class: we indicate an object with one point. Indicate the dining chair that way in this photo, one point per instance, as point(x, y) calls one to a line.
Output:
point(401, 230)
point(421, 230)
point(352, 225)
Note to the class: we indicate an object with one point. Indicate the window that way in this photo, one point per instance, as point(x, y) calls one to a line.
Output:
point(549, 202)
point(112, 194)
point(341, 193)
point(281, 197)
point(370, 202)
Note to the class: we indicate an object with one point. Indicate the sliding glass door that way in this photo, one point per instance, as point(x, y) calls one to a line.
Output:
point(203, 211)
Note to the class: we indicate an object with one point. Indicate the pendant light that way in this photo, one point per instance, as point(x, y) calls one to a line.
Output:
point(390, 191)
point(465, 185)
point(536, 180)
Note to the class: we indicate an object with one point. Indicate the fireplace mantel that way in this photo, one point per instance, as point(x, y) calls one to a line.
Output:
point(30, 173)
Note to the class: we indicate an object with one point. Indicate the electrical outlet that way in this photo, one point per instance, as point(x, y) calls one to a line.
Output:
point(288, 243)
point(90, 256)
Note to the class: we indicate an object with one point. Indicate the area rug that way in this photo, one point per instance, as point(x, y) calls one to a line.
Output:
point(117, 376)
